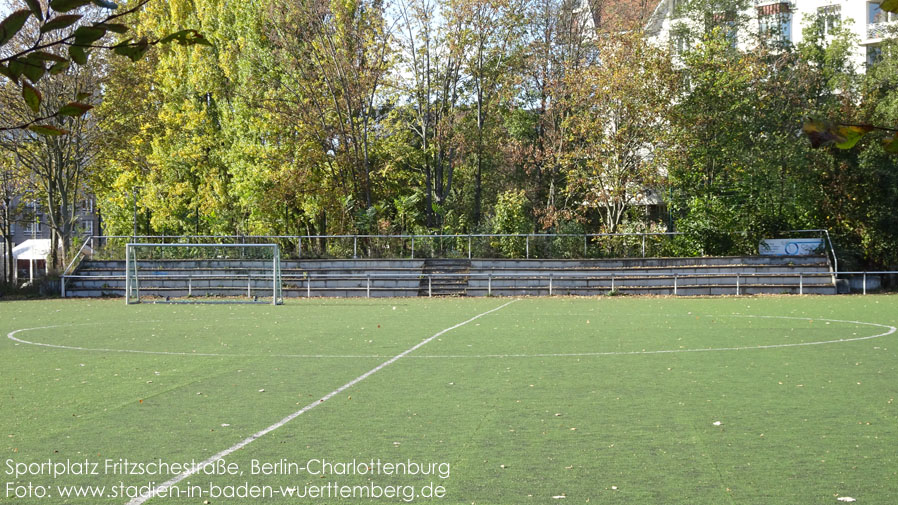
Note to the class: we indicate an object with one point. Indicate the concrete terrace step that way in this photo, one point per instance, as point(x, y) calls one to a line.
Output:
point(478, 264)
point(461, 277)
point(701, 290)
point(445, 277)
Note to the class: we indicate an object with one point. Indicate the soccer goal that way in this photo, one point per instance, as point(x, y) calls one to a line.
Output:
point(203, 273)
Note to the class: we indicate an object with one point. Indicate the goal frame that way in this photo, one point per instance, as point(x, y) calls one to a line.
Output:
point(132, 279)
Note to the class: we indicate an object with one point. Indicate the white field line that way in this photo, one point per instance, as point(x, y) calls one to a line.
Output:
point(891, 329)
point(252, 438)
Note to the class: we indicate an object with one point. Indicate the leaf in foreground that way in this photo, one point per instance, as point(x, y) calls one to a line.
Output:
point(67, 5)
point(60, 22)
point(52, 131)
point(890, 144)
point(10, 26)
point(75, 109)
point(32, 97)
point(35, 6)
point(852, 134)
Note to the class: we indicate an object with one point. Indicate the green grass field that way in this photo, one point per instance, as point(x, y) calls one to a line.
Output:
point(547, 400)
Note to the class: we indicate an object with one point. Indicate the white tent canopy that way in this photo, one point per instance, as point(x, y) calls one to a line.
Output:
point(33, 249)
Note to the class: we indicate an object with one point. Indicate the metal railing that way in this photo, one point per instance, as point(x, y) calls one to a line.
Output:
point(481, 245)
point(539, 282)
point(475, 245)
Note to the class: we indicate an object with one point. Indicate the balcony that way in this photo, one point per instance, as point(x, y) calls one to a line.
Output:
point(882, 29)
point(769, 8)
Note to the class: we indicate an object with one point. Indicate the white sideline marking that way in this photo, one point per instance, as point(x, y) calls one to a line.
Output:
point(240, 445)
point(891, 329)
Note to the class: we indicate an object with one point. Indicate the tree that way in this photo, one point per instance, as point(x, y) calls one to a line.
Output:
point(492, 37)
point(12, 186)
point(58, 34)
point(617, 115)
point(182, 125)
point(432, 52)
point(56, 164)
point(823, 131)
point(335, 57)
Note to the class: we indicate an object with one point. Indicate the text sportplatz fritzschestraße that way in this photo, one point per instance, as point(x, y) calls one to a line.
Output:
point(221, 467)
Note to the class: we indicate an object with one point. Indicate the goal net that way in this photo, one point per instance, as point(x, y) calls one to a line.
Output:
point(203, 273)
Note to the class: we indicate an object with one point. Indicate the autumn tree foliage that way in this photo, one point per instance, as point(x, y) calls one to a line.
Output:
point(324, 117)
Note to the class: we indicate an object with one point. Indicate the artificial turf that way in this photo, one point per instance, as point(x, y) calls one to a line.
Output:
point(548, 400)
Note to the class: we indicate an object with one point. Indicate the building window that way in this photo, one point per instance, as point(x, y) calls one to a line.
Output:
point(726, 20)
point(87, 205)
point(874, 54)
point(679, 40)
point(876, 15)
point(829, 18)
point(775, 23)
point(33, 228)
point(86, 227)
point(676, 8)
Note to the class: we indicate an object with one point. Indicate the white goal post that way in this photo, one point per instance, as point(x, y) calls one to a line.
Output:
point(203, 273)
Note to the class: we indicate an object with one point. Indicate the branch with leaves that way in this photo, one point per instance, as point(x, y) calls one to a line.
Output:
point(843, 135)
point(62, 39)
point(824, 133)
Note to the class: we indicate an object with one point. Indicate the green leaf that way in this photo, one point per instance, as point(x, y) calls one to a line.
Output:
point(889, 5)
point(16, 68)
point(78, 55)
point(4, 70)
point(35, 6)
point(80, 97)
point(86, 35)
point(820, 133)
point(133, 50)
point(201, 40)
point(890, 144)
point(186, 38)
point(113, 27)
point(45, 56)
point(106, 4)
point(851, 135)
point(10, 26)
point(60, 22)
point(32, 97)
point(43, 129)
point(75, 109)
point(175, 36)
point(67, 5)
point(60, 67)
point(34, 68)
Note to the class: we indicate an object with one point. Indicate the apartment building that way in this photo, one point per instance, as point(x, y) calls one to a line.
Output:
point(31, 234)
point(783, 21)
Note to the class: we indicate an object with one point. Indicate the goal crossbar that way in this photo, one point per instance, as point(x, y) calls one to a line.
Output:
point(133, 272)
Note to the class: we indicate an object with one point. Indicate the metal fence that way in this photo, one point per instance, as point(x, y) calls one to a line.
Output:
point(481, 245)
point(497, 245)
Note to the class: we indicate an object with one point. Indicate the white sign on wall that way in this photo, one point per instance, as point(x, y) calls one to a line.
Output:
point(790, 246)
